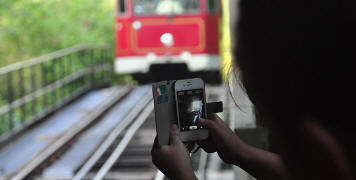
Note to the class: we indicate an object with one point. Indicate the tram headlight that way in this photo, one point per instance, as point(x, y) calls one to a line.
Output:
point(167, 40)
point(137, 25)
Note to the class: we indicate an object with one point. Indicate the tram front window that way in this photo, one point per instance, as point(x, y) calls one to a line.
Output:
point(166, 7)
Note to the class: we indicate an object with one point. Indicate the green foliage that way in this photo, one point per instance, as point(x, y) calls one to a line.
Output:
point(29, 28)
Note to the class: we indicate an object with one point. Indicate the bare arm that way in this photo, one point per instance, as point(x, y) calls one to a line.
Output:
point(259, 163)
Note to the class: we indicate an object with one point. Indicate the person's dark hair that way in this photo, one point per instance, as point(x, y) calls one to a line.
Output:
point(297, 60)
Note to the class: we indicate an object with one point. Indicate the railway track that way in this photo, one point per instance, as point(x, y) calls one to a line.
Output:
point(114, 143)
point(134, 161)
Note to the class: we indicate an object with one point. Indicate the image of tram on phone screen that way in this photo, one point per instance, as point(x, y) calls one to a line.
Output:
point(190, 108)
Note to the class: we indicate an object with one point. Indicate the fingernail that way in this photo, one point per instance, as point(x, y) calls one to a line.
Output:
point(174, 130)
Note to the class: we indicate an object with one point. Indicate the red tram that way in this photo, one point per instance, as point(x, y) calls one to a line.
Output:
point(162, 33)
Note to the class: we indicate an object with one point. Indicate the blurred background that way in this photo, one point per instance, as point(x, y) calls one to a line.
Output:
point(75, 76)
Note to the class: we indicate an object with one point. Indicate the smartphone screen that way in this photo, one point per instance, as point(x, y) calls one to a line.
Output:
point(190, 108)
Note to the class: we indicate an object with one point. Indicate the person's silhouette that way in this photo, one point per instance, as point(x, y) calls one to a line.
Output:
point(296, 60)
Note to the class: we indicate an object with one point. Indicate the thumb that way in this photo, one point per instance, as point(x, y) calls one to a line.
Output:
point(174, 134)
point(210, 125)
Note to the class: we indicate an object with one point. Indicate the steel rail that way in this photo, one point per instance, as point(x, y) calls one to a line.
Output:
point(125, 141)
point(113, 136)
point(69, 135)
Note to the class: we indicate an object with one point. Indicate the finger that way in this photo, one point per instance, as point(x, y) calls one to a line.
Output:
point(212, 126)
point(207, 123)
point(212, 116)
point(217, 119)
point(174, 135)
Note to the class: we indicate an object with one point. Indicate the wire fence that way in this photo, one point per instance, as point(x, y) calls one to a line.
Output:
point(31, 90)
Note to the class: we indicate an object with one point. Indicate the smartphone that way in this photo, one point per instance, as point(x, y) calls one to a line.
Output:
point(190, 105)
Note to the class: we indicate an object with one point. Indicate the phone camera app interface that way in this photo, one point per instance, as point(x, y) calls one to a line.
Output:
point(190, 108)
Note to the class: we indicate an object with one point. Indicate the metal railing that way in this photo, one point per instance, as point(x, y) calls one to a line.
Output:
point(33, 89)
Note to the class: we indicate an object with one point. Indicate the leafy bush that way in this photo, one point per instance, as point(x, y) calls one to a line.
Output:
point(29, 28)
